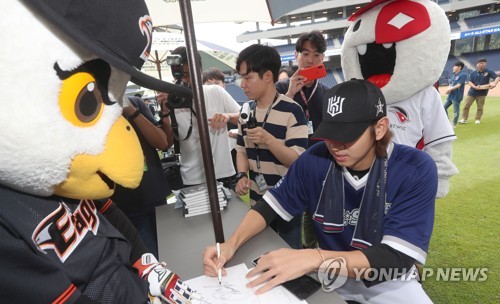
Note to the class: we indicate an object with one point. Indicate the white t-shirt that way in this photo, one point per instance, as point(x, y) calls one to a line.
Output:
point(420, 121)
point(217, 100)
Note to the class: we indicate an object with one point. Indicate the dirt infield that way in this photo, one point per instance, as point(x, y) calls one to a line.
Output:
point(492, 92)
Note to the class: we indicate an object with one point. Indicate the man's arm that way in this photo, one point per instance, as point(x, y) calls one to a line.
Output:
point(495, 82)
point(153, 134)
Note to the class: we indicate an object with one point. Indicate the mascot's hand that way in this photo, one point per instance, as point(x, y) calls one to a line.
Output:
point(442, 154)
point(164, 285)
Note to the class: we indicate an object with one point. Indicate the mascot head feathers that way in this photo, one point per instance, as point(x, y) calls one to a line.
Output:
point(65, 68)
point(400, 45)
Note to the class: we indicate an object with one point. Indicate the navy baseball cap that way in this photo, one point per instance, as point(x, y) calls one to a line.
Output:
point(117, 31)
point(348, 109)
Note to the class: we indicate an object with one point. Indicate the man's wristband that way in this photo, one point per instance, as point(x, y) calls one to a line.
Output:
point(240, 175)
point(134, 115)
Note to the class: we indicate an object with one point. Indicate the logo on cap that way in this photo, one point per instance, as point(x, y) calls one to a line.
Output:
point(335, 105)
point(146, 27)
point(380, 107)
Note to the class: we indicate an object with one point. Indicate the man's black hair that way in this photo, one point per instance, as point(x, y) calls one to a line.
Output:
point(181, 50)
point(213, 73)
point(260, 59)
point(315, 37)
point(481, 60)
point(459, 64)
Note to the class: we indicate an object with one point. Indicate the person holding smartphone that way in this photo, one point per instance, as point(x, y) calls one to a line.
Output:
point(309, 51)
point(372, 202)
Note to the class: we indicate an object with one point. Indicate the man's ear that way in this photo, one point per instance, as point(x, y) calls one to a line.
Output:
point(268, 76)
point(381, 127)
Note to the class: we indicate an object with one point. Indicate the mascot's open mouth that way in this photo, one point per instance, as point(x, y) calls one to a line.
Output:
point(377, 62)
point(106, 179)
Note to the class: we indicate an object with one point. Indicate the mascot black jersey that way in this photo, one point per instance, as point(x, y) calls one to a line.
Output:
point(55, 250)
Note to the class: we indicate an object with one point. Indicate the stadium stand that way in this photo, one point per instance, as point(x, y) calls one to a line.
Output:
point(492, 56)
point(482, 20)
point(286, 48)
point(454, 26)
point(328, 80)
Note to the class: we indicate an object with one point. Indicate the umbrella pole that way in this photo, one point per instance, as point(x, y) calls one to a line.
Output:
point(199, 105)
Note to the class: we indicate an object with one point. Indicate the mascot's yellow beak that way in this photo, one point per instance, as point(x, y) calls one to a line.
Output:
point(121, 162)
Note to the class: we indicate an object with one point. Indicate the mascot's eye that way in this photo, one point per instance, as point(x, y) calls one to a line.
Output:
point(356, 26)
point(80, 100)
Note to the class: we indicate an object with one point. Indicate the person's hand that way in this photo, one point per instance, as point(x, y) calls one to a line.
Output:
point(448, 91)
point(162, 98)
point(233, 133)
point(258, 136)
point(218, 121)
point(492, 85)
point(163, 283)
point(242, 186)
point(296, 83)
point(280, 266)
point(212, 264)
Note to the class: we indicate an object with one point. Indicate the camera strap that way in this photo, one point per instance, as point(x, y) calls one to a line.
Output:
point(175, 129)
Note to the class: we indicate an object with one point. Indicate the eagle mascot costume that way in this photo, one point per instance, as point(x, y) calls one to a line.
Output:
point(64, 145)
point(402, 47)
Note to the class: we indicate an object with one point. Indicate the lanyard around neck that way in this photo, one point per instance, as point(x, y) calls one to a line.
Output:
point(257, 150)
point(306, 100)
point(268, 110)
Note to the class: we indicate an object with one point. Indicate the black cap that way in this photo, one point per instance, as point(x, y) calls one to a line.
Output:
point(348, 109)
point(117, 31)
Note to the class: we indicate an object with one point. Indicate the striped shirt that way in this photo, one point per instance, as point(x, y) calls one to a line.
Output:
point(286, 122)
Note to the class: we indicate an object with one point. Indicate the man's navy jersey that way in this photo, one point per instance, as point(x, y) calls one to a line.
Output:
point(410, 194)
point(480, 78)
point(55, 250)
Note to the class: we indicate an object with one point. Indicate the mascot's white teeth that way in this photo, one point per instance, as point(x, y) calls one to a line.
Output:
point(387, 45)
point(361, 49)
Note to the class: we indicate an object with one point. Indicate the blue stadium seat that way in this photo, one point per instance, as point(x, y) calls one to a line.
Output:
point(482, 20)
point(328, 80)
point(454, 26)
point(492, 57)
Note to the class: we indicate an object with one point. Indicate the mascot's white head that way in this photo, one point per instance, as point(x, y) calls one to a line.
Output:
point(400, 45)
point(65, 66)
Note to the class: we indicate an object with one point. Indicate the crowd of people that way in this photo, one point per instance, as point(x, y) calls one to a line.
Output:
point(297, 162)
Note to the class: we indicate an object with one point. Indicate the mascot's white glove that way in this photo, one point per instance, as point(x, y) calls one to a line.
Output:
point(164, 285)
point(442, 154)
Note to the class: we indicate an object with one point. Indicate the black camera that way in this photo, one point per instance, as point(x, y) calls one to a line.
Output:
point(248, 116)
point(252, 122)
point(175, 101)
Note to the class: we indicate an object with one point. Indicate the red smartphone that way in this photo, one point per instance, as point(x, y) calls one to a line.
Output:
point(314, 72)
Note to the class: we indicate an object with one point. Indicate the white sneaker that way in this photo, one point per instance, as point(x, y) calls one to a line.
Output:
point(477, 122)
point(462, 121)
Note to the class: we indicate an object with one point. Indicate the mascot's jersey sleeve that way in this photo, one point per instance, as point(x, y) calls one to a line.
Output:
point(420, 120)
point(48, 247)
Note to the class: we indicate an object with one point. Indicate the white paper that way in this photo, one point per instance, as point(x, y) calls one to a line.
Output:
point(234, 290)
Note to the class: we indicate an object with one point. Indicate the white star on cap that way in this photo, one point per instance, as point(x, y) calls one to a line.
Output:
point(400, 20)
point(380, 107)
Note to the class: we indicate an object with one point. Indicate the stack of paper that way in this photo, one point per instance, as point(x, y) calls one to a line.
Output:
point(195, 199)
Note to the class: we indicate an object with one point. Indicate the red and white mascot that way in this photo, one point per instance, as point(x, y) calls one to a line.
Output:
point(64, 144)
point(402, 47)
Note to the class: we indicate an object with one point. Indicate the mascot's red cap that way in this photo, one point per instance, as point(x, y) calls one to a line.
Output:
point(118, 31)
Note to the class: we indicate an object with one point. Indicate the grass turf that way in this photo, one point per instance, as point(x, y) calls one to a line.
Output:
point(467, 231)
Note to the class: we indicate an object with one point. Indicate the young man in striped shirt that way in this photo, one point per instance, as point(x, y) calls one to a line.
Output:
point(274, 136)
